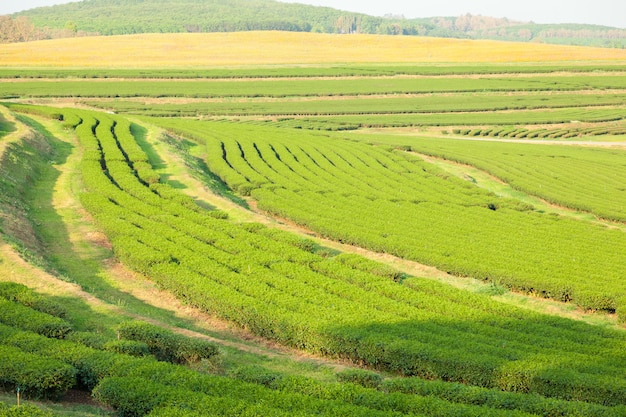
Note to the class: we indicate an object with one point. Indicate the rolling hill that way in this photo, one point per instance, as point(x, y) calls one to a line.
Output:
point(120, 17)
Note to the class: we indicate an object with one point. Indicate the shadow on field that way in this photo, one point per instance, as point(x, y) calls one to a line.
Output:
point(540, 354)
point(6, 127)
point(140, 133)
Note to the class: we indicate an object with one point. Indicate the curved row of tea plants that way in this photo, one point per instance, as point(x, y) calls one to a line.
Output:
point(582, 178)
point(490, 118)
point(395, 203)
point(564, 132)
point(136, 386)
point(371, 105)
point(307, 87)
point(46, 368)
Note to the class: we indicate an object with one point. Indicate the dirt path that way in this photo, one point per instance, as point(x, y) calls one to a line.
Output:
point(19, 133)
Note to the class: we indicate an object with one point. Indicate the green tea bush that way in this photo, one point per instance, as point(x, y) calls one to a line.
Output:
point(26, 410)
point(167, 346)
point(36, 376)
point(173, 411)
point(89, 339)
point(360, 377)
point(14, 314)
point(130, 397)
point(367, 265)
point(256, 375)
point(128, 347)
point(19, 293)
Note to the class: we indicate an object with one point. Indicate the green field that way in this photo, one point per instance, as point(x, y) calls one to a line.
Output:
point(318, 240)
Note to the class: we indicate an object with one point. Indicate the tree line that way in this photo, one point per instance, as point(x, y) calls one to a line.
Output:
point(21, 29)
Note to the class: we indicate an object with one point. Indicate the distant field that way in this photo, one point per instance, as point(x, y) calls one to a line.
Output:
point(270, 48)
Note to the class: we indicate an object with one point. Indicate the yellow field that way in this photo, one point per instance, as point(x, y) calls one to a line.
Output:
point(267, 48)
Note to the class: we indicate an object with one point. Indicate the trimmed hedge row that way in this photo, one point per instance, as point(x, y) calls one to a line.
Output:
point(134, 397)
point(36, 376)
point(166, 345)
point(452, 392)
point(135, 387)
point(19, 293)
point(528, 402)
point(128, 347)
point(91, 364)
point(18, 315)
point(152, 388)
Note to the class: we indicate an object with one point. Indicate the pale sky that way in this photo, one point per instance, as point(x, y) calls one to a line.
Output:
point(601, 12)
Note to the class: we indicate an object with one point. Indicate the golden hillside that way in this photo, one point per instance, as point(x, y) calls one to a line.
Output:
point(266, 48)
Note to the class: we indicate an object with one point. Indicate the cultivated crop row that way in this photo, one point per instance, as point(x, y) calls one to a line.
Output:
point(370, 105)
point(491, 118)
point(307, 87)
point(309, 71)
point(564, 132)
point(581, 178)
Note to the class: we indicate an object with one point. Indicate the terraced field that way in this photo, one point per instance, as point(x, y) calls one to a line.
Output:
point(339, 152)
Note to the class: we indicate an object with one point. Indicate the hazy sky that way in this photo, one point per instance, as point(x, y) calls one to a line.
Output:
point(602, 12)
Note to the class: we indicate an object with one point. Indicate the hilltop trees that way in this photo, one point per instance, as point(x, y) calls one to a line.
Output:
point(21, 29)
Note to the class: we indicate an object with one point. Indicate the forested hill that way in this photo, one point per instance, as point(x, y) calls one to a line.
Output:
point(117, 17)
